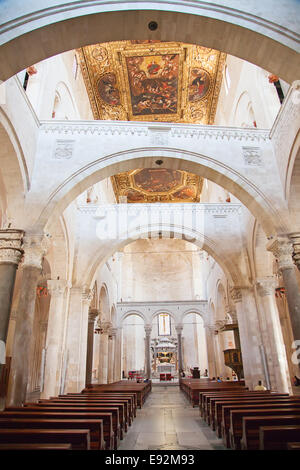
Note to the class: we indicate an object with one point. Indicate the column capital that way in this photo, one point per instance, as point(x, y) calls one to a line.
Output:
point(104, 327)
point(295, 238)
point(11, 242)
point(93, 313)
point(87, 295)
point(148, 329)
point(179, 329)
point(113, 332)
point(266, 285)
point(56, 287)
point(282, 249)
point(236, 294)
point(35, 248)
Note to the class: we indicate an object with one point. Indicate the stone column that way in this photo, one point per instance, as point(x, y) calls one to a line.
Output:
point(272, 335)
point(118, 356)
point(250, 336)
point(103, 360)
point(93, 313)
point(282, 248)
point(211, 355)
point(77, 328)
point(111, 354)
point(57, 289)
point(148, 329)
point(35, 248)
point(10, 256)
point(179, 329)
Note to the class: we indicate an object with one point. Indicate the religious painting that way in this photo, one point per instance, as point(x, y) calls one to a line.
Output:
point(153, 82)
point(164, 324)
point(108, 91)
point(157, 179)
point(199, 84)
point(157, 185)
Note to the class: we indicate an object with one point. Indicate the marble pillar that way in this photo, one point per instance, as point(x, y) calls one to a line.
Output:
point(118, 355)
point(53, 354)
point(179, 329)
point(282, 248)
point(103, 361)
point(111, 354)
point(35, 248)
point(148, 329)
point(76, 341)
point(211, 355)
point(93, 313)
point(10, 256)
point(272, 335)
point(253, 354)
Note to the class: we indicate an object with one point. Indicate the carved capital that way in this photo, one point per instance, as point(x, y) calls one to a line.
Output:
point(266, 286)
point(179, 329)
point(35, 248)
point(295, 238)
point(56, 287)
point(11, 246)
point(93, 314)
point(282, 249)
point(87, 295)
point(148, 329)
point(236, 294)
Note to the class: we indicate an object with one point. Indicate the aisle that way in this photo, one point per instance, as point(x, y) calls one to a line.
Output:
point(168, 421)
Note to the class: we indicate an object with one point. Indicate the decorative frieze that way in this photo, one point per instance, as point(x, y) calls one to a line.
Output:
point(158, 134)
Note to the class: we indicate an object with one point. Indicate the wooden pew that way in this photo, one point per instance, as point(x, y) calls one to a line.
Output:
point(212, 409)
point(131, 399)
point(193, 389)
point(288, 407)
point(79, 438)
point(277, 437)
point(86, 407)
point(251, 400)
point(94, 426)
point(141, 389)
point(123, 418)
point(25, 446)
point(251, 425)
point(67, 413)
point(204, 397)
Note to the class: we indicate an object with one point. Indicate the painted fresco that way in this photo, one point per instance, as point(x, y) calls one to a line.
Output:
point(157, 180)
point(108, 91)
point(153, 82)
point(199, 84)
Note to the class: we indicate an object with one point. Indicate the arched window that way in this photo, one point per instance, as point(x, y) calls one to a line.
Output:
point(164, 324)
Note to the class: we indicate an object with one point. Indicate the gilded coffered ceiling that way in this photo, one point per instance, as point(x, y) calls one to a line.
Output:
point(157, 185)
point(152, 81)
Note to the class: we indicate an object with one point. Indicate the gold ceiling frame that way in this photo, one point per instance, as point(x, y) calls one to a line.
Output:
point(143, 50)
point(125, 181)
point(98, 59)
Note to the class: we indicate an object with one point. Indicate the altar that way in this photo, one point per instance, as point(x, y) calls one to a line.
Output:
point(166, 369)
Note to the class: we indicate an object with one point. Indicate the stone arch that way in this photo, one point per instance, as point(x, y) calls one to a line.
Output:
point(164, 310)
point(13, 172)
point(113, 314)
point(230, 269)
point(292, 189)
point(69, 26)
point(223, 175)
point(68, 108)
point(133, 312)
point(104, 305)
point(193, 310)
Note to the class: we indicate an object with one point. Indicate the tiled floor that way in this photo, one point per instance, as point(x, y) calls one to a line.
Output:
point(168, 422)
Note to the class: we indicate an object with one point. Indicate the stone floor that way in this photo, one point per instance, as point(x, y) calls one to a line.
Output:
point(167, 421)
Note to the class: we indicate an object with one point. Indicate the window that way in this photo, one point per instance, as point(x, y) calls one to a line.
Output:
point(164, 324)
